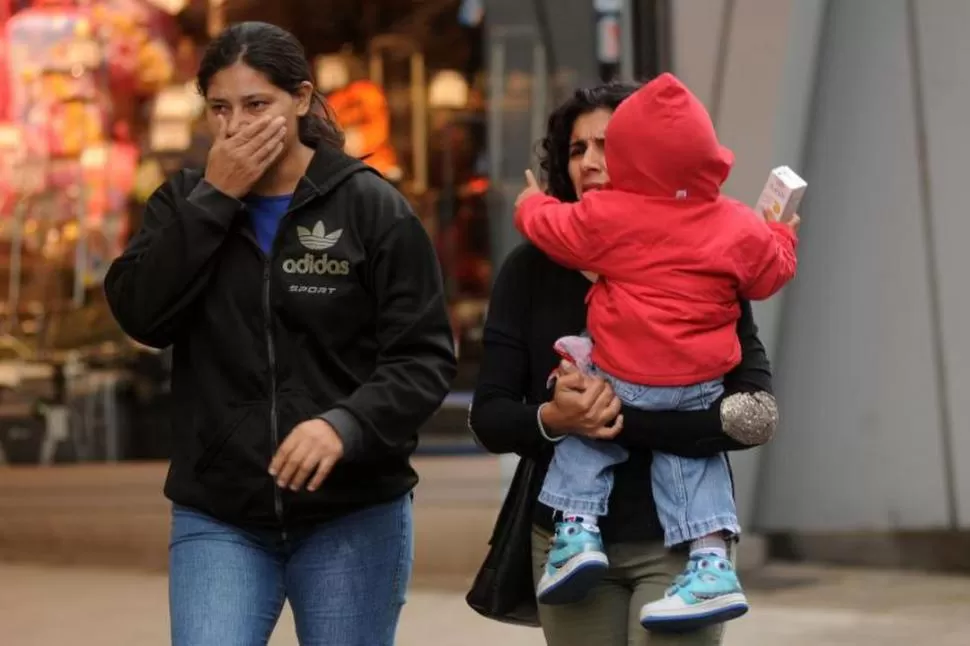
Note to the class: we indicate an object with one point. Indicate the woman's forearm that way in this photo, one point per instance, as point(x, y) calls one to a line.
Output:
point(499, 417)
point(166, 266)
point(735, 422)
point(503, 425)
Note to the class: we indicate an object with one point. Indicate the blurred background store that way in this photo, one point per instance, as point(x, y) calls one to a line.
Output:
point(866, 98)
point(98, 106)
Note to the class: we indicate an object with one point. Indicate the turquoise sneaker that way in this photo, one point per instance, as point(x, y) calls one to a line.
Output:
point(707, 593)
point(575, 563)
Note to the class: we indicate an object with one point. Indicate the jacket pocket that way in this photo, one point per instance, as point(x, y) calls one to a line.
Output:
point(211, 447)
point(295, 406)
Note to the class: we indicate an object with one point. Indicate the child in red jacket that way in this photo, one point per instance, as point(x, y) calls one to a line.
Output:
point(673, 256)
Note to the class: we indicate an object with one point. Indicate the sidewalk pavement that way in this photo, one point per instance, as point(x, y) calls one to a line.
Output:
point(792, 605)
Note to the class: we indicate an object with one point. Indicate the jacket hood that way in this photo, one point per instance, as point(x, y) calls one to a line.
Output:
point(661, 143)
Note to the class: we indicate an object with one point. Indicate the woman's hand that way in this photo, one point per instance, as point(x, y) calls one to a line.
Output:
point(582, 405)
point(311, 447)
point(236, 163)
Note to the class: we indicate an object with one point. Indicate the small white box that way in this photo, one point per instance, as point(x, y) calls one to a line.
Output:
point(782, 194)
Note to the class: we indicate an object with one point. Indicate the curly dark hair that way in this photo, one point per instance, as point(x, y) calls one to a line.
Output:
point(280, 57)
point(553, 149)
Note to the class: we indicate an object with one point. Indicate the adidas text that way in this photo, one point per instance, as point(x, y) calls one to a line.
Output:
point(319, 266)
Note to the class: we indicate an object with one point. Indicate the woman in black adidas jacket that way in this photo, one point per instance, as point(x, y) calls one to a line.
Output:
point(304, 302)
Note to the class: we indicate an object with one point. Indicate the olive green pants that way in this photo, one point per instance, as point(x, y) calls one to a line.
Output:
point(610, 615)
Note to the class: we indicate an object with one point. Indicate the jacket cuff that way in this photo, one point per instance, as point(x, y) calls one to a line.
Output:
point(784, 230)
point(349, 429)
point(222, 207)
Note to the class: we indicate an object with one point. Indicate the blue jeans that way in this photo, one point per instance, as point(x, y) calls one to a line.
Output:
point(694, 497)
point(345, 579)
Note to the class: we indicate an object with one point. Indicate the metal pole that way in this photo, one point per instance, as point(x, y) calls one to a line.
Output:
point(540, 91)
point(627, 58)
point(16, 265)
point(446, 212)
point(419, 122)
point(80, 256)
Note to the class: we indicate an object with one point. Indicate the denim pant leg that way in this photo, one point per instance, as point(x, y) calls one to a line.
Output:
point(580, 476)
point(225, 584)
point(346, 579)
point(694, 496)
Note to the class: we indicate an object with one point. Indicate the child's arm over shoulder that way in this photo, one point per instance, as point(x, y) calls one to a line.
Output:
point(766, 258)
point(565, 231)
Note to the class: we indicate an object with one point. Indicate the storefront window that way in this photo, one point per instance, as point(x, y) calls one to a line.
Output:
point(415, 111)
point(98, 107)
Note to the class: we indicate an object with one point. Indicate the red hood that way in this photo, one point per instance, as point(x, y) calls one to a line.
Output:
point(661, 143)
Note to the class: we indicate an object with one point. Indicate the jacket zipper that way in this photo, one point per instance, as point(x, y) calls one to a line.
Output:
point(271, 350)
point(274, 424)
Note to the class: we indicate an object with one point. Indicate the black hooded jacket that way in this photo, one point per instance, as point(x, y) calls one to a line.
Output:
point(344, 320)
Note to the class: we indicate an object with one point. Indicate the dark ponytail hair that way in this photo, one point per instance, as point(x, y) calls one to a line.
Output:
point(278, 55)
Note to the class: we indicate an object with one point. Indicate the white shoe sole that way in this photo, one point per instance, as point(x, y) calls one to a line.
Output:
point(695, 617)
point(573, 581)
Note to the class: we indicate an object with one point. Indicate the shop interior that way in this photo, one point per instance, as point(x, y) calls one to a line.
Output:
point(98, 105)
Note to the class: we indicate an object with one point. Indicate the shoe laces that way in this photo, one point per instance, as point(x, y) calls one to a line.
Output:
point(698, 566)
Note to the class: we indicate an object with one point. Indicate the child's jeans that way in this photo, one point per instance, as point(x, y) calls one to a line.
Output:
point(694, 497)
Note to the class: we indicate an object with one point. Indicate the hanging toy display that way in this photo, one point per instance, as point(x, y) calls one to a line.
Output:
point(11, 158)
point(58, 77)
point(108, 177)
point(5, 11)
point(140, 60)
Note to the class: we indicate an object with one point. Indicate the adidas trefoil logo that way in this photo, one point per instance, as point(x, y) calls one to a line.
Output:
point(317, 265)
point(318, 239)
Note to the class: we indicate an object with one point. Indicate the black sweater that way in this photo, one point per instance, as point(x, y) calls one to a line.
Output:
point(344, 319)
point(534, 302)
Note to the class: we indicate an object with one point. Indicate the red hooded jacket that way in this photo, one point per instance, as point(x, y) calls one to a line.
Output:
point(673, 254)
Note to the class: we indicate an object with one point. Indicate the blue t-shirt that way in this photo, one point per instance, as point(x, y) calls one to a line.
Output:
point(265, 212)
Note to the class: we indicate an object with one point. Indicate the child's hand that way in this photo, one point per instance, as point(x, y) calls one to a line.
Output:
point(793, 223)
point(564, 368)
point(531, 188)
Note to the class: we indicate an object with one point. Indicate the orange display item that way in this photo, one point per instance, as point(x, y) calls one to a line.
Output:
point(361, 109)
point(74, 126)
point(109, 178)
